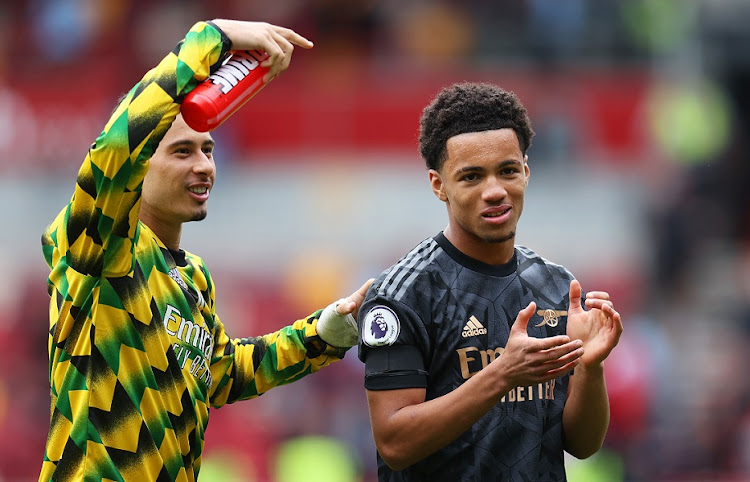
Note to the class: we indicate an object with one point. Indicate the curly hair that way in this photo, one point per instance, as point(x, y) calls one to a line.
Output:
point(470, 107)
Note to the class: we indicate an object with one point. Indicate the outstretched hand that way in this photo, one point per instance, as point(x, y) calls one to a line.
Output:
point(337, 324)
point(599, 328)
point(352, 302)
point(528, 360)
point(277, 41)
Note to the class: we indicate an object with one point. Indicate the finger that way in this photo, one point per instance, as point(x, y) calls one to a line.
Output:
point(545, 344)
point(359, 295)
point(558, 372)
point(285, 63)
point(615, 315)
point(620, 328)
point(563, 353)
point(522, 320)
point(352, 303)
point(602, 295)
point(610, 311)
point(345, 306)
point(616, 323)
point(287, 47)
point(572, 356)
point(560, 351)
point(271, 46)
point(273, 62)
point(363, 289)
point(575, 295)
point(294, 37)
point(598, 304)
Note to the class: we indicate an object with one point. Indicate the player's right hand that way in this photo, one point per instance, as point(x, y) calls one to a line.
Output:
point(528, 360)
point(277, 41)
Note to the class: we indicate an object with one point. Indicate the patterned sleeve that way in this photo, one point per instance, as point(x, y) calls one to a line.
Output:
point(248, 367)
point(95, 232)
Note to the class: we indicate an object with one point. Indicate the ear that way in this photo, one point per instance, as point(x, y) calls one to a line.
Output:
point(436, 182)
point(526, 170)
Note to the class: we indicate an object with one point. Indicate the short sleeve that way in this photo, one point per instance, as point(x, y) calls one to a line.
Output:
point(392, 344)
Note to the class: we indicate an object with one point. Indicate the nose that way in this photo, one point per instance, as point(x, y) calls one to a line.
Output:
point(204, 164)
point(493, 190)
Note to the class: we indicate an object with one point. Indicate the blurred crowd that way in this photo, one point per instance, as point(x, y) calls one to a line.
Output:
point(642, 113)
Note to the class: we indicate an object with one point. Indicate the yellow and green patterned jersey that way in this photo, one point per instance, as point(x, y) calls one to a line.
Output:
point(137, 353)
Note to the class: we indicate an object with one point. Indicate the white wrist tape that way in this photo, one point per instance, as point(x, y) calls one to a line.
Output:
point(337, 330)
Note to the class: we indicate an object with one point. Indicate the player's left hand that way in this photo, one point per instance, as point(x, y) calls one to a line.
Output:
point(599, 327)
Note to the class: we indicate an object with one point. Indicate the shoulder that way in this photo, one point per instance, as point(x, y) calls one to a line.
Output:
point(410, 273)
point(541, 273)
point(528, 257)
point(406, 292)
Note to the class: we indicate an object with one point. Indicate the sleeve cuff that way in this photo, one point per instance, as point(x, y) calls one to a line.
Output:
point(226, 45)
point(395, 381)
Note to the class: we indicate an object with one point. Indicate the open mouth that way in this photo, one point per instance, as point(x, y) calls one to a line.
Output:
point(199, 193)
point(496, 213)
point(198, 190)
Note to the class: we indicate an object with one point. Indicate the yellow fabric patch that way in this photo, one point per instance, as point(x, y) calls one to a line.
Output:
point(58, 437)
point(125, 435)
point(102, 392)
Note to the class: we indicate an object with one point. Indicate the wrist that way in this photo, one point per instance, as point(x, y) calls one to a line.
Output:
point(593, 369)
point(337, 330)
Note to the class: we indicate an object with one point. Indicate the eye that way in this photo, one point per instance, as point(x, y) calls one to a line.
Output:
point(208, 151)
point(509, 171)
point(469, 177)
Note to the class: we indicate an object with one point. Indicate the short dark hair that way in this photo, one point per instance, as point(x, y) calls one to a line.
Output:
point(470, 107)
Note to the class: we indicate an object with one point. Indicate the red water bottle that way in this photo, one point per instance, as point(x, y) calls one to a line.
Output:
point(224, 91)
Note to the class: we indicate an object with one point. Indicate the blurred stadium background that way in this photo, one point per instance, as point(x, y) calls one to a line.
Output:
point(640, 174)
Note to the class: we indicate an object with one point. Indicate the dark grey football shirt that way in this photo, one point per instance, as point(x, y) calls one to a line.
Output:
point(436, 318)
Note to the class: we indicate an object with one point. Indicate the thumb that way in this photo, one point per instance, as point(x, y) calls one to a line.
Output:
point(522, 320)
point(352, 303)
point(575, 295)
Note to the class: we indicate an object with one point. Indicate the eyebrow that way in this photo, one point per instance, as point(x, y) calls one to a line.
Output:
point(509, 162)
point(189, 143)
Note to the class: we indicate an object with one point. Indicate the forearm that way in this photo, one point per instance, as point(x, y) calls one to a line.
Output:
point(586, 414)
point(146, 112)
point(248, 367)
point(416, 431)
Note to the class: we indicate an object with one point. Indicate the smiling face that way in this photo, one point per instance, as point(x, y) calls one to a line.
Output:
point(180, 177)
point(483, 182)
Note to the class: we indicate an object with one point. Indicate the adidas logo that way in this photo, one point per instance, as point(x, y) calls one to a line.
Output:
point(473, 328)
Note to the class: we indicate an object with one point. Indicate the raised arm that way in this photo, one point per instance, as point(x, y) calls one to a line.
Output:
point(95, 233)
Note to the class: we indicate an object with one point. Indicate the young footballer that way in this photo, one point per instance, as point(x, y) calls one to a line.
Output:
point(470, 341)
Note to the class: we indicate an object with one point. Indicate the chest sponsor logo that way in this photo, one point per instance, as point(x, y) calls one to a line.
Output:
point(381, 327)
point(550, 317)
point(473, 327)
point(194, 343)
point(472, 359)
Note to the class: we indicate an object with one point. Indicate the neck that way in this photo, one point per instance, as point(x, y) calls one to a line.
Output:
point(169, 234)
point(492, 252)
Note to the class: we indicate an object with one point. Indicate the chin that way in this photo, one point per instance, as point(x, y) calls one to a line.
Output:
point(199, 216)
point(499, 238)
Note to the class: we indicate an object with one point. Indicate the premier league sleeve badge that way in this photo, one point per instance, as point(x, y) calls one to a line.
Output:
point(381, 327)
